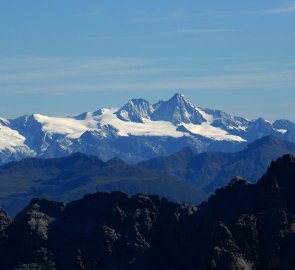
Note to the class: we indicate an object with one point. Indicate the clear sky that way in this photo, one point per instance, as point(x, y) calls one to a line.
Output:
point(65, 57)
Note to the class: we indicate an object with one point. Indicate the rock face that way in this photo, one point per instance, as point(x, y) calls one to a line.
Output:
point(4, 220)
point(242, 226)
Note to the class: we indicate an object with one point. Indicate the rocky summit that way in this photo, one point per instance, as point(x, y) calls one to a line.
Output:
point(242, 226)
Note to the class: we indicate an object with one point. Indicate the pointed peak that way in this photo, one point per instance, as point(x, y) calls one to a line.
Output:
point(238, 180)
point(261, 120)
point(181, 101)
point(135, 110)
point(177, 110)
point(137, 100)
point(116, 161)
point(137, 103)
point(180, 97)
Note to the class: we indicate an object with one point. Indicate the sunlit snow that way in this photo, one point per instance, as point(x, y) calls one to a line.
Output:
point(206, 130)
point(73, 128)
point(10, 139)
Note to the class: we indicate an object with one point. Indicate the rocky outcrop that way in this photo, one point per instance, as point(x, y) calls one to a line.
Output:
point(5, 220)
point(242, 226)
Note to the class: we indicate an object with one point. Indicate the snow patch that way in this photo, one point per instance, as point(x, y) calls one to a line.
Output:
point(148, 128)
point(208, 117)
point(10, 139)
point(206, 130)
point(74, 128)
point(70, 127)
point(283, 131)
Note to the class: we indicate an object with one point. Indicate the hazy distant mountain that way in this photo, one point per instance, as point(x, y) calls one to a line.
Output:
point(182, 177)
point(71, 177)
point(210, 170)
point(137, 131)
point(243, 226)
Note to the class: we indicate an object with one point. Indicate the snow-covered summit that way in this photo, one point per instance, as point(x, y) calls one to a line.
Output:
point(134, 132)
point(178, 110)
point(135, 110)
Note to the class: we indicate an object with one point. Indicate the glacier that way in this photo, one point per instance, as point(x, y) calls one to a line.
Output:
point(137, 131)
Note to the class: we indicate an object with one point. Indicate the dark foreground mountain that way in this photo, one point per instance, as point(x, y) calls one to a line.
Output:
point(243, 226)
point(210, 170)
point(72, 177)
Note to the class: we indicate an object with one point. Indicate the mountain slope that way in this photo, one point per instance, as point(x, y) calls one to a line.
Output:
point(243, 226)
point(210, 170)
point(71, 177)
point(135, 132)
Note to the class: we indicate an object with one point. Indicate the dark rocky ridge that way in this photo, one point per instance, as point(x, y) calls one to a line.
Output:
point(243, 226)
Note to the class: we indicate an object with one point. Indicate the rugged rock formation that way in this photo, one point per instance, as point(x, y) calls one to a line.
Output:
point(5, 220)
point(242, 226)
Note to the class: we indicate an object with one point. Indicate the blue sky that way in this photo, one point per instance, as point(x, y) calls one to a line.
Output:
point(65, 57)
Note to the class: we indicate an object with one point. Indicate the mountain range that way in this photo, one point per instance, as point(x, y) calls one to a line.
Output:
point(211, 170)
point(182, 177)
point(71, 177)
point(243, 226)
point(136, 132)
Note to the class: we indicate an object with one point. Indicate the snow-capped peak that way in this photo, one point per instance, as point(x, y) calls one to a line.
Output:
point(137, 125)
point(178, 110)
point(135, 110)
